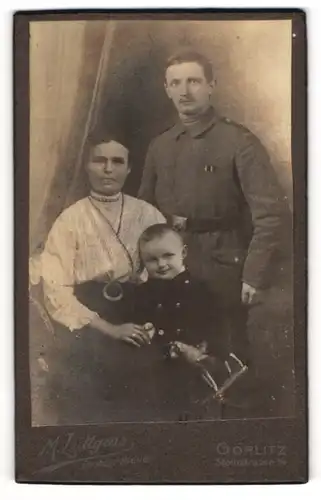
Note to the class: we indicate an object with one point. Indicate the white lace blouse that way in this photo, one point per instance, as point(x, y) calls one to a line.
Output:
point(92, 240)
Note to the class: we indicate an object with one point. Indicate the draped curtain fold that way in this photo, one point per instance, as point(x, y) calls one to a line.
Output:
point(68, 70)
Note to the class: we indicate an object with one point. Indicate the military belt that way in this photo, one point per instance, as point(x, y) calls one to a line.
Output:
point(210, 225)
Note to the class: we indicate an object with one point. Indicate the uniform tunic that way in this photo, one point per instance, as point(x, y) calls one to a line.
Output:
point(217, 170)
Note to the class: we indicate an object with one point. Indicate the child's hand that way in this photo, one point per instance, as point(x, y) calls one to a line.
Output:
point(189, 352)
point(150, 330)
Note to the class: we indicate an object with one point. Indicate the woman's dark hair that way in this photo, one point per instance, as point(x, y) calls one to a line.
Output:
point(94, 139)
point(188, 55)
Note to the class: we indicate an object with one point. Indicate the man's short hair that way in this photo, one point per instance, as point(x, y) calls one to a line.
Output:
point(188, 55)
point(157, 231)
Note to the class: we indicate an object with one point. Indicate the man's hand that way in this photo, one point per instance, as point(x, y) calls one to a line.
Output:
point(43, 364)
point(179, 223)
point(248, 294)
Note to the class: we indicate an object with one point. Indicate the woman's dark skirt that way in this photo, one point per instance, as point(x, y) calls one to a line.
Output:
point(95, 379)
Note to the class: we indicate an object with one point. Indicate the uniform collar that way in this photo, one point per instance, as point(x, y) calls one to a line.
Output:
point(206, 121)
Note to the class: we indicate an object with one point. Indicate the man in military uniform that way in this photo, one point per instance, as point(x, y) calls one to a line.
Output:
point(207, 174)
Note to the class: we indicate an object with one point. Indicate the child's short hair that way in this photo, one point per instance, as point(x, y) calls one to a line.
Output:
point(157, 231)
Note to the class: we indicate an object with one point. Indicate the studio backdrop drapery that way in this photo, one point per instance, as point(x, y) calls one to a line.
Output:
point(68, 70)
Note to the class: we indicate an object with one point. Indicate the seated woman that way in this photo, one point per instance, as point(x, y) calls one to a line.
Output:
point(94, 242)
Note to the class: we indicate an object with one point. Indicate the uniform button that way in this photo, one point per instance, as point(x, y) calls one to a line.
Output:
point(236, 259)
point(186, 282)
point(159, 306)
point(178, 331)
point(178, 304)
point(161, 332)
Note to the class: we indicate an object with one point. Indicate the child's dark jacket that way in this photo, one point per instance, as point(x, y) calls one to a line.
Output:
point(180, 309)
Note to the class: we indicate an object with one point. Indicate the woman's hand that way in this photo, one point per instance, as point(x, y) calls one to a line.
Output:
point(127, 332)
point(132, 334)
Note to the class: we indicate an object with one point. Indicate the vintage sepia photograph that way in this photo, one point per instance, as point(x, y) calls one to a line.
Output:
point(161, 233)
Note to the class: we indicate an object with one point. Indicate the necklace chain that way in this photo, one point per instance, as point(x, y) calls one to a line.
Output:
point(117, 232)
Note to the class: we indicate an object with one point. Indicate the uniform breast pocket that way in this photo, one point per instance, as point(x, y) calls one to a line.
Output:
point(165, 174)
point(165, 187)
point(211, 190)
point(213, 174)
point(215, 171)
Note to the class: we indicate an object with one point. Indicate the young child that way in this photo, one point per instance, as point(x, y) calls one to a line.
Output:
point(184, 324)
